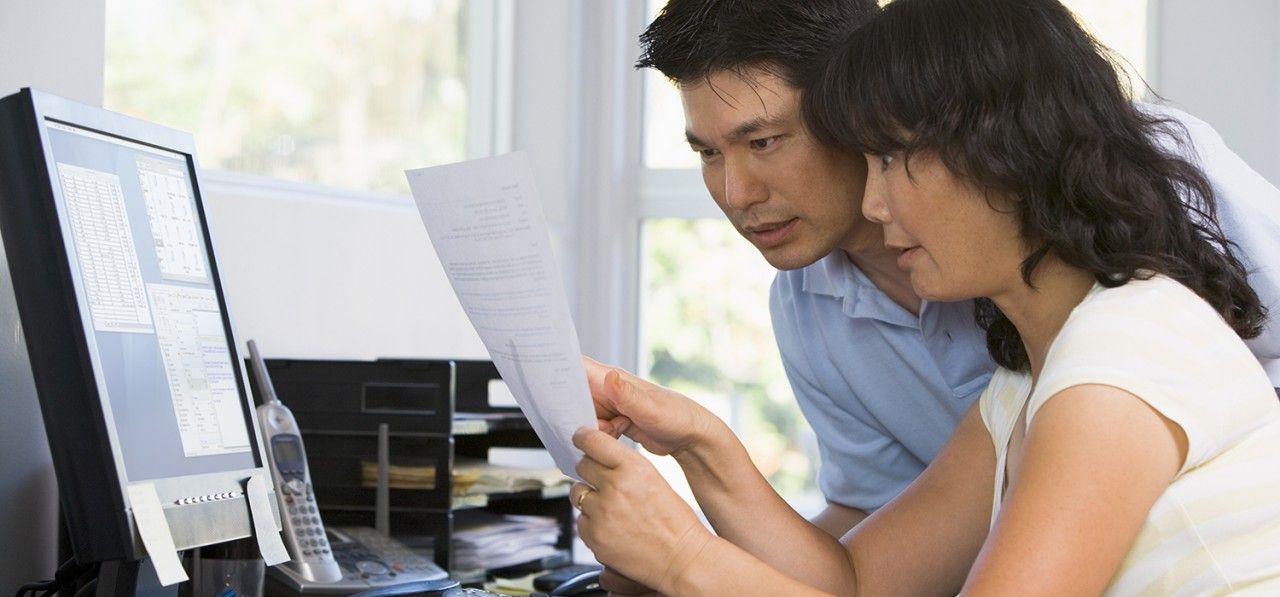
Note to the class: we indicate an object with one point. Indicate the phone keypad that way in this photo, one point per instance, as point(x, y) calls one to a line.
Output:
point(304, 520)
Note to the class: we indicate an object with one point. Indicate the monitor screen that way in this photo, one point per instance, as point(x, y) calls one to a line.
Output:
point(141, 268)
point(130, 345)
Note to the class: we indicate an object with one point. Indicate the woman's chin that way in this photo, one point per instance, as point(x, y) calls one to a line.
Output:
point(935, 293)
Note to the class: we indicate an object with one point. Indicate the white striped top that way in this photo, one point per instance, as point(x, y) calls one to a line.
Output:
point(1216, 529)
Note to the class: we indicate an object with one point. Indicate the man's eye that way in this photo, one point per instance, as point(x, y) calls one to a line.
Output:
point(764, 143)
point(707, 154)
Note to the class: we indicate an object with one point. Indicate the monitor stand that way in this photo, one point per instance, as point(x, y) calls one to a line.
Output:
point(117, 577)
point(114, 577)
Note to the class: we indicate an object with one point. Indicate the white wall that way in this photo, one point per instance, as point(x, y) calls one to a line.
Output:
point(1220, 61)
point(53, 45)
point(56, 46)
point(311, 273)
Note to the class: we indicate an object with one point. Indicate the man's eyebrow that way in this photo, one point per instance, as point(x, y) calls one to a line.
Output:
point(742, 130)
point(754, 125)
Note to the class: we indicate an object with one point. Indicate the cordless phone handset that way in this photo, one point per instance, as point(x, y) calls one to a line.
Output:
point(303, 531)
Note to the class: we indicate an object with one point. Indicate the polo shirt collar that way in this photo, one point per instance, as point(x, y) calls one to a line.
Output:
point(836, 276)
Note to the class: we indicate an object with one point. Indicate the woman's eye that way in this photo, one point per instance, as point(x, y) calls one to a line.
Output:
point(886, 161)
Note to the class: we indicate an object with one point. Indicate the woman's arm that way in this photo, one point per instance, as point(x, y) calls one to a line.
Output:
point(923, 542)
point(1095, 460)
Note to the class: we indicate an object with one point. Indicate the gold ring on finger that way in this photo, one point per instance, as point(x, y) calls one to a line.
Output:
point(581, 496)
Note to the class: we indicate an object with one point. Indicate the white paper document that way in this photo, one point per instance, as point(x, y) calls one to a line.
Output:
point(486, 223)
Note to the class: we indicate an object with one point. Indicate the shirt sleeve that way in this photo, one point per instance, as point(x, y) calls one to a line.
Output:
point(1160, 342)
point(862, 465)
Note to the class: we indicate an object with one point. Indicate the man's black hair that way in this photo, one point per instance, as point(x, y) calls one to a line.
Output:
point(692, 39)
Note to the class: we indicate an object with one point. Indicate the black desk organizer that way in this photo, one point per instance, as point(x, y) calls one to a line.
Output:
point(505, 427)
point(341, 406)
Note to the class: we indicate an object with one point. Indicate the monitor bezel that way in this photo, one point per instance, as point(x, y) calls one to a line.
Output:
point(65, 363)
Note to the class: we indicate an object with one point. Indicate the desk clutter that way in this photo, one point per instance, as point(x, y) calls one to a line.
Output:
point(416, 446)
point(491, 541)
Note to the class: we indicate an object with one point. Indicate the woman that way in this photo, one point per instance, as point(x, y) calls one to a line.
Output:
point(1129, 442)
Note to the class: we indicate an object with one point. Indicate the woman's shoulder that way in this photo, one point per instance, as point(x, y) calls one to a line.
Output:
point(1150, 288)
point(1145, 323)
point(1146, 332)
point(1153, 305)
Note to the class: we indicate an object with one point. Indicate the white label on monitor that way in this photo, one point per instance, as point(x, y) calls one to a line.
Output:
point(179, 243)
point(104, 247)
point(153, 528)
point(197, 363)
point(500, 394)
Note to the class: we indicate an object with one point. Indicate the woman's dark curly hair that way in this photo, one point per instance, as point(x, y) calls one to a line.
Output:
point(1014, 97)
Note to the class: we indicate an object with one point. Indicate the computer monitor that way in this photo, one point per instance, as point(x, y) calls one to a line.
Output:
point(131, 348)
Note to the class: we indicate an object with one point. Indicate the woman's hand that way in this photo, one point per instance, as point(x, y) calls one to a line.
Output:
point(631, 519)
point(663, 421)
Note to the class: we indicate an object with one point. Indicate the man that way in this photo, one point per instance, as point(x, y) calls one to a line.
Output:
point(881, 375)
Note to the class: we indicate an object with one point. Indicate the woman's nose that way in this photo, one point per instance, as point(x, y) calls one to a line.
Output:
point(874, 207)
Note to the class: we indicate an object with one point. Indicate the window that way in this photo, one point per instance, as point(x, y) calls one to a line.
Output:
point(1120, 25)
point(333, 92)
point(706, 333)
point(704, 325)
point(704, 310)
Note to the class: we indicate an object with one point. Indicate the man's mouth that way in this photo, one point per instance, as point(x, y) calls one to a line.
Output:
point(770, 234)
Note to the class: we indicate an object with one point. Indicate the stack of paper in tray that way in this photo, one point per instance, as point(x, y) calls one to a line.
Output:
point(401, 475)
point(472, 477)
point(487, 541)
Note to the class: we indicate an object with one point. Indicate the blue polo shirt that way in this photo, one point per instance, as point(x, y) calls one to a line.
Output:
point(882, 388)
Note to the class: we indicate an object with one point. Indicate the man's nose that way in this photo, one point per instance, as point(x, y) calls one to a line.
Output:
point(742, 187)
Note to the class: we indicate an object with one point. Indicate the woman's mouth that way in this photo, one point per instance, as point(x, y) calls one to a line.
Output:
point(906, 257)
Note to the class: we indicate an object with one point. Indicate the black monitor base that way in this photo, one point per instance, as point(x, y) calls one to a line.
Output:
point(72, 578)
point(116, 577)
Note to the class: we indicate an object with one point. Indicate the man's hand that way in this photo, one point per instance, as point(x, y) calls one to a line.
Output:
point(617, 584)
point(630, 518)
point(663, 421)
